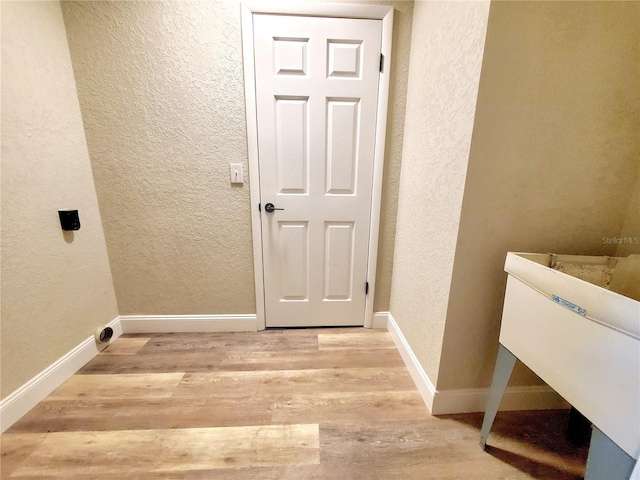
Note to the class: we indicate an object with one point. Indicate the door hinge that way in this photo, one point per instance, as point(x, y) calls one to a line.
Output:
point(366, 288)
point(259, 207)
point(381, 62)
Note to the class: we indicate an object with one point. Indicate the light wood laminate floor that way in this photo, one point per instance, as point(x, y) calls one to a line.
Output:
point(278, 404)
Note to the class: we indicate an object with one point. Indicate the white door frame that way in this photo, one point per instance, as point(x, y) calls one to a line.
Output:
point(373, 12)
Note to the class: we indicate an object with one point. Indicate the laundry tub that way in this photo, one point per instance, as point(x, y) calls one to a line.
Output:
point(582, 337)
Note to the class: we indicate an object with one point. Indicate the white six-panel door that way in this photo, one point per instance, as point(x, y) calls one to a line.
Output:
point(316, 102)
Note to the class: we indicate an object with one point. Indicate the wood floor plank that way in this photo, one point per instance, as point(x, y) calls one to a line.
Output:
point(62, 455)
point(282, 382)
point(16, 449)
point(160, 363)
point(125, 346)
point(401, 449)
point(278, 472)
point(365, 341)
point(350, 407)
point(270, 340)
point(428, 449)
point(301, 360)
point(240, 360)
point(145, 413)
point(289, 472)
point(154, 385)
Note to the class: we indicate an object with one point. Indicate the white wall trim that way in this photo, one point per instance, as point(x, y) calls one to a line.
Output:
point(420, 378)
point(380, 320)
point(379, 12)
point(35, 390)
point(251, 114)
point(378, 156)
point(445, 402)
point(188, 323)
point(296, 7)
point(540, 397)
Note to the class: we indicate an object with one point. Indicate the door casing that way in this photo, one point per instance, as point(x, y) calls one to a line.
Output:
point(375, 12)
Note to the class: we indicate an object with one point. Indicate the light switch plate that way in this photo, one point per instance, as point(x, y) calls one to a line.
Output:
point(235, 173)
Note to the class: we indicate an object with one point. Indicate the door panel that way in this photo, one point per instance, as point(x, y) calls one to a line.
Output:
point(292, 154)
point(343, 125)
point(290, 55)
point(294, 261)
point(344, 58)
point(338, 261)
point(316, 99)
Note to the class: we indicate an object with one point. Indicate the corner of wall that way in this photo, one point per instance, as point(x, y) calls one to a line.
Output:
point(56, 286)
point(443, 83)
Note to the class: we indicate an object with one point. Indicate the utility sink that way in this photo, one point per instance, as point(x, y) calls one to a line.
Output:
point(575, 321)
point(605, 289)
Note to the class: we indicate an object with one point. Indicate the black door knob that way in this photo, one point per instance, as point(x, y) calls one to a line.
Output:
point(270, 207)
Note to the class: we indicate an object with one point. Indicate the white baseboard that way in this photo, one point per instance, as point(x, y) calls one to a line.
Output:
point(445, 402)
point(425, 387)
point(540, 397)
point(35, 390)
point(380, 320)
point(188, 323)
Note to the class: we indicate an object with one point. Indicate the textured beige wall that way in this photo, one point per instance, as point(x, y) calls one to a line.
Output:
point(160, 88)
point(56, 289)
point(554, 157)
point(161, 91)
point(446, 57)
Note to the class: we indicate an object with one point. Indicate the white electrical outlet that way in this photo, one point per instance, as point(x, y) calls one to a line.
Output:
point(235, 173)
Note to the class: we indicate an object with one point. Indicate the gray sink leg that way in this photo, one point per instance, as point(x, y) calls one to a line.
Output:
point(606, 459)
point(635, 475)
point(504, 366)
